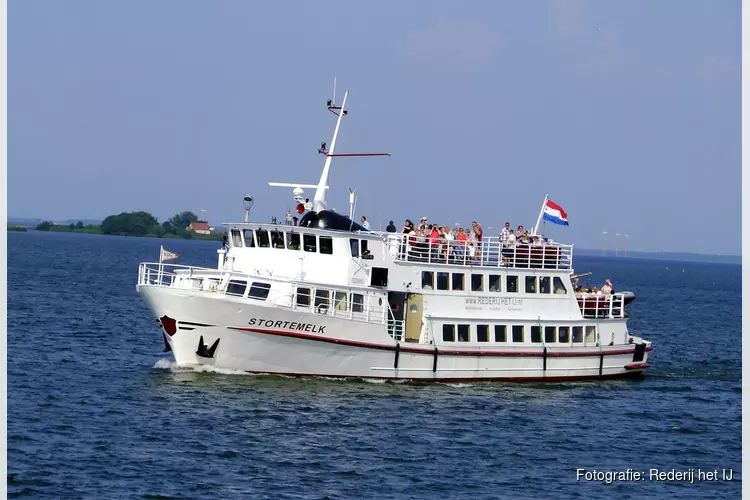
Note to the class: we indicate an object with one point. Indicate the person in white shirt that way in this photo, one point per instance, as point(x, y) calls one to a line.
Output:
point(365, 224)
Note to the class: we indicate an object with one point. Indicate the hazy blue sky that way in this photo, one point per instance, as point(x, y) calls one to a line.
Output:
point(626, 112)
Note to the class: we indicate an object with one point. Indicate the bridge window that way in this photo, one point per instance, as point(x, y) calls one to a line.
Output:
point(236, 238)
point(259, 290)
point(428, 280)
point(501, 333)
point(449, 333)
point(309, 244)
point(322, 301)
point(458, 281)
point(591, 334)
point(559, 286)
point(236, 287)
point(530, 284)
point(442, 281)
point(518, 334)
point(549, 334)
point(303, 297)
point(544, 284)
point(463, 333)
point(512, 284)
point(483, 333)
point(262, 236)
point(536, 334)
point(577, 334)
point(354, 245)
point(495, 283)
point(339, 301)
point(326, 245)
point(249, 240)
point(277, 239)
point(358, 301)
point(363, 247)
point(477, 282)
point(563, 335)
point(292, 241)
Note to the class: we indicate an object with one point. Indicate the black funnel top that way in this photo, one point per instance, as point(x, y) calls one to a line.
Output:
point(325, 219)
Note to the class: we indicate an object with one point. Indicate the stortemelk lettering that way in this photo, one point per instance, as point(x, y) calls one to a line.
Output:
point(287, 325)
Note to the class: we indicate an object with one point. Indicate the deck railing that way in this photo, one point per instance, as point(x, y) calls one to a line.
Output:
point(602, 306)
point(490, 251)
point(339, 303)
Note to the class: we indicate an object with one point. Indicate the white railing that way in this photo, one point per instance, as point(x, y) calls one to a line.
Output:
point(602, 306)
point(489, 252)
point(396, 329)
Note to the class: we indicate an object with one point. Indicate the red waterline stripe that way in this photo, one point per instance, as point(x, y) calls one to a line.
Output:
point(574, 378)
point(431, 350)
point(636, 366)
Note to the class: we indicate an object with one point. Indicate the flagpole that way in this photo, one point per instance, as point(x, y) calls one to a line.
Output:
point(541, 212)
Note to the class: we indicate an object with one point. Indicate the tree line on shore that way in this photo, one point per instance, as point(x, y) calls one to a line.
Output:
point(135, 224)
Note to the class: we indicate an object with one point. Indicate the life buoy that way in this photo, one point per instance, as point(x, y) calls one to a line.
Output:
point(323, 309)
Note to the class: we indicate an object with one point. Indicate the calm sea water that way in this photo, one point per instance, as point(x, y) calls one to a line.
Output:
point(96, 411)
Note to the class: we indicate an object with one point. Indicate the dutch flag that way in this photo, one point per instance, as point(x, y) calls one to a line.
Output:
point(555, 213)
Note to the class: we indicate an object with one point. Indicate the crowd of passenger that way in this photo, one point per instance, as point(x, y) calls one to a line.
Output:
point(436, 242)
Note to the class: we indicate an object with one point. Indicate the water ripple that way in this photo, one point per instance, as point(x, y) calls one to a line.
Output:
point(97, 411)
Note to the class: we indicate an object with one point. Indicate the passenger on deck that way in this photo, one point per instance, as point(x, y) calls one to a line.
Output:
point(365, 224)
point(477, 231)
point(520, 235)
point(447, 241)
point(505, 234)
point(434, 241)
point(390, 228)
point(607, 288)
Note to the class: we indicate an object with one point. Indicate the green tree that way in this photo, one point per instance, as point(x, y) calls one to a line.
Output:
point(183, 220)
point(79, 225)
point(130, 223)
point(44, 226)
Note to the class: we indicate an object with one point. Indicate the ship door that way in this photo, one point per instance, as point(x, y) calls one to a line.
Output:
point(414, 302)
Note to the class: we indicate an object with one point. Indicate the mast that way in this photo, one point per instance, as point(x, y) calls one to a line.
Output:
point(319, 201)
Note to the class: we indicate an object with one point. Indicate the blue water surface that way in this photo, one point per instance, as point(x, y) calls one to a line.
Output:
point(95, 410)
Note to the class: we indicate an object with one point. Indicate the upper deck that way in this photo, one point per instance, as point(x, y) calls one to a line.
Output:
point(402, 248)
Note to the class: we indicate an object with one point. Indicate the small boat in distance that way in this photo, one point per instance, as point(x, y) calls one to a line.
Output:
point(330, 298)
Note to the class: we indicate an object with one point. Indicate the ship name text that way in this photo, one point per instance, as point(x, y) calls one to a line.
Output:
point(287, 325)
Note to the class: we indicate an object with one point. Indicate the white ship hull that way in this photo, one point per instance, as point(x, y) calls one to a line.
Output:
point(267, 340)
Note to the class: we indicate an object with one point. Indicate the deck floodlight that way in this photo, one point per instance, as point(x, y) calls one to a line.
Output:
point(248, 201)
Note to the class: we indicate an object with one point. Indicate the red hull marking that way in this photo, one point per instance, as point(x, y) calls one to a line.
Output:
point(636, 366)
point(431, 350)
point(575, 378)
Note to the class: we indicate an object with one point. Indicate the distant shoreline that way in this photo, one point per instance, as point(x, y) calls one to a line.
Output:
point(66, 229)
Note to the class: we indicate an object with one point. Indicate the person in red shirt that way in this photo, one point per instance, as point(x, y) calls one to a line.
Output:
point(463, 243)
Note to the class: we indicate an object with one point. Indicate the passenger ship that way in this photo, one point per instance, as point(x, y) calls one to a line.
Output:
point(330, 298)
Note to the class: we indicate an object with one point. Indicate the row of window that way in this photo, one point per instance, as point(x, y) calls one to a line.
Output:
point(290, 240)
point(499, 334)
point(322, 299)
point(455, 281)
point(258, 289)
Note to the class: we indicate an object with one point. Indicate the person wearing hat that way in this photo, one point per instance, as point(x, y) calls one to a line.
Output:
point(607, 288)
